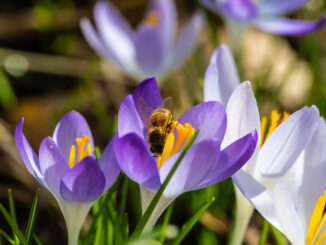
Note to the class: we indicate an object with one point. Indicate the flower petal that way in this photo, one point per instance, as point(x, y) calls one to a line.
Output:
point(239, 10)
point(313, 182)
point(27, 153)
point(109, 164)
point(52, 164)
point(136, 161)
point(193, 169)
point(167, 19)
point(149, 50)
point(115, 32)
point(96, 43)
point(243, 118)
point(187, 40)
point(260, 198)
point(287, 214)
point(148, 91)
point(210, 4)
point(221, 76)
point(71, 126)
point(279, 7)
point(232, 159)
point(290, 27)
point(209, 117)
point(242, 112)
point(84, 182)
point(285, 144)
point(128, 119)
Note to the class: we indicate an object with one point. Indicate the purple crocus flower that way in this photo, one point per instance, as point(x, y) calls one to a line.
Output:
point(67, 167)
point(205, 164)
point(266, 15)
point(154, 48)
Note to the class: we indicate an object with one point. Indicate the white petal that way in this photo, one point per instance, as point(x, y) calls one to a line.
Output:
point(260, 197)
point(287, 214)
point(243, 118)
point(314, 169)
point(286, 143)
point(221, 76)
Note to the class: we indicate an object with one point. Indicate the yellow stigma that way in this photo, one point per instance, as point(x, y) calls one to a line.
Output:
point(172, 145)
point(81, 151)
point(317, 221)
point(152, 18)
point(275, 121)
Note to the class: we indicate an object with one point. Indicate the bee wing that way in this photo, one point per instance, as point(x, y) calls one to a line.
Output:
point(168, 104)
point(144, 111)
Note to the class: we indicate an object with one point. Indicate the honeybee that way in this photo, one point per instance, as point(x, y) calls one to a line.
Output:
point(158, 123)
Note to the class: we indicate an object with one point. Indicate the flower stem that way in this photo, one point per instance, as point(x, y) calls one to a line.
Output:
point(243, 213)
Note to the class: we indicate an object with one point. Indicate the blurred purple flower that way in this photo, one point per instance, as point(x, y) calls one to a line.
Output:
point(266, 15)
point(205, 163)
point(67, 167)
point(153, 49)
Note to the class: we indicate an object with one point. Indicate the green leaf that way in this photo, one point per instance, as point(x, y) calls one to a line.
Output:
point(7, 237)
point(264, 233)
point(140, 226)
point(125, 227)
point(12, 211)
point(192, 221)
point(7, 96)
point(13, 225)
point(278, 236)
point(37, 240)
point(32, 217)
point(166, 221)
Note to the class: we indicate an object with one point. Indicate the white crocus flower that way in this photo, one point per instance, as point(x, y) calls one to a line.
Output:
point(281, 144)
point(296, 204)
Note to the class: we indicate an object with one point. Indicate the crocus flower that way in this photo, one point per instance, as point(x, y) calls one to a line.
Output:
point(280, 144)
point(67, 167)
point(266, 15)
point(205, 164)
point(295, 204)
point(154, 48)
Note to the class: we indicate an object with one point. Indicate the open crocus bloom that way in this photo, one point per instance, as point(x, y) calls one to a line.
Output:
point(152, 49)
point(67, 167)
point(280, 145)
point(266, 15)
point(296, 203)
point(205, 164)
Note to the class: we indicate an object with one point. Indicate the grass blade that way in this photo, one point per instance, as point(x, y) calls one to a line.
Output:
point(278, 236)
point(192, 221)
point(166, 221)
point(264, 233)
point(140, 226)
point(12, 211)
point(7, 96)
point(13, 225)
point(7, 237)
point(32, 217)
